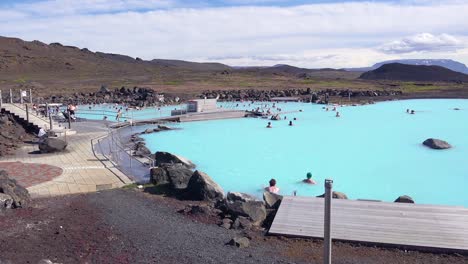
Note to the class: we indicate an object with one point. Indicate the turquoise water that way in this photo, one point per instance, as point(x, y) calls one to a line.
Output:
point(371, 151)
point(97, 112)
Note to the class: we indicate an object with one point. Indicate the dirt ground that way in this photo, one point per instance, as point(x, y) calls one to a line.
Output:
point(129, 226)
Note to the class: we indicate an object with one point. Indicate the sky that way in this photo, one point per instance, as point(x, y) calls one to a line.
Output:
point(312, 34)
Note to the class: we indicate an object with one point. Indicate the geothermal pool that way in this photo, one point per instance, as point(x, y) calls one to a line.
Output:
point(371, 151)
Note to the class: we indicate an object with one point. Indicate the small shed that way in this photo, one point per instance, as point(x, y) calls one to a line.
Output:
point(201, 105)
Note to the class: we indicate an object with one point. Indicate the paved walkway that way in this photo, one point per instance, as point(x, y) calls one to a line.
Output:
point(83, 171)
point(30, 174)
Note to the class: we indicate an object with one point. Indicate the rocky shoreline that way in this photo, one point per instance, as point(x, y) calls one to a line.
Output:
point(144, 97)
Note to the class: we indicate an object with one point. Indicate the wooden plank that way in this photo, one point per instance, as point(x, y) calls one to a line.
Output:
point(426, 226)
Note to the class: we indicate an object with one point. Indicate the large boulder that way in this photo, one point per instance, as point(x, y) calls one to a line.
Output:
point(50, 145)
point(436, 143)
point(255, 210)
point(6, 201)
point(17, 193)
point(158, 175)
point(238, 196)
point(202, 187)
point(272, 200)
point(404, 199)
point(168, 158)
point(336, 195)
point(178, 175)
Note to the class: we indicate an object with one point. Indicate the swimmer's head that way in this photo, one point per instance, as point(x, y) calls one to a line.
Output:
point(309, 175)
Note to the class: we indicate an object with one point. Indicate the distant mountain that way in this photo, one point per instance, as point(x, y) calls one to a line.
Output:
point(405, 72)
point(449, 64)
point(204, 66)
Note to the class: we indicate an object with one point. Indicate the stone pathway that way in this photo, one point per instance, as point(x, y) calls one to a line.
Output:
point(83, 170)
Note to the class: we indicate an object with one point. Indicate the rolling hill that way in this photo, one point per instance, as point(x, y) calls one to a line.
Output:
point(449, 64)
point(405, 72)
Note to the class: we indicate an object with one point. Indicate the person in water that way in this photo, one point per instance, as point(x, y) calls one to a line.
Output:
point(337, 114)
point(269, 125)
point(272, 188)
point(412, 112)
point(308, 179)
point(290, 123)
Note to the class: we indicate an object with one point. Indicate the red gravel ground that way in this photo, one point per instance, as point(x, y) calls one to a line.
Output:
point(30, 174)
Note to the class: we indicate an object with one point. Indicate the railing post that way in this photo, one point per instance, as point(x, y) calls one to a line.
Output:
point(69, 119)
point(21, 96)
point(30, 96)
point(51, 125)
point(11, 96)
point(327, 240)
point(1, 99)
point(46, 110)
point(27, 113)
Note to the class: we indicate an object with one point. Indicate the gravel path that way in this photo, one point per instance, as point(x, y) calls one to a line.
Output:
point(163, 236)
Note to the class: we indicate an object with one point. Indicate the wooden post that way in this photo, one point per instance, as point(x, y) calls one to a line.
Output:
point(46, 110)
point(21, 96)
point(1, 99)
point(27, 113)
point(327, 240)
point(30, 96)
point(11, 96)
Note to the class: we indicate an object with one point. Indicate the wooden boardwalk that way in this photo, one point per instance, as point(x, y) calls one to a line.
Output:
point(190, 117)
point(443, 228)
point(34, 119)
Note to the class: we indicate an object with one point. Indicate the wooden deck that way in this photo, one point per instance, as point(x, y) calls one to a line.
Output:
point(442, 228)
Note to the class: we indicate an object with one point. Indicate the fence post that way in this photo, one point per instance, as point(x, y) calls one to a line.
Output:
point(11, 96)
point(46, 110)
point(1, 99)
point(30, 96)
point(21, 96)
point(327, 240)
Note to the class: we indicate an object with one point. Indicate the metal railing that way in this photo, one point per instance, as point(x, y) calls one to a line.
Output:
point(114, 150)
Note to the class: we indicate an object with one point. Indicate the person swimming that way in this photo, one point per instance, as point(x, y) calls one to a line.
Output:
point(337, 114)
point(412, 112)
point(269, 125)
point(407, 111)
point(290, 123)
point(308, 179)
point(272, 188)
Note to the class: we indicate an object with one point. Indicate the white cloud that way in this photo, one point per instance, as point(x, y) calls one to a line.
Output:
point(68, 7)
point(423, 42)
point(315, 35)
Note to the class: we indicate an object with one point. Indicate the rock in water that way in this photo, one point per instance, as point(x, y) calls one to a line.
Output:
point(202, 187)
point(436, 143)
point(50, 145)
point(336, 195)
point(237, 196)
point(404, 199)
point(158, 175)
point(179, 176)
point(168, 158)
point(240, 242)
point(272, 200)
point(19, 196)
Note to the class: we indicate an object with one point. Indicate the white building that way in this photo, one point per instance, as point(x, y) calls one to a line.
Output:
point(201, 105)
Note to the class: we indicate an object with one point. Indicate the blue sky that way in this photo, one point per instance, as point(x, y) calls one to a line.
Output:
point(315, 34)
